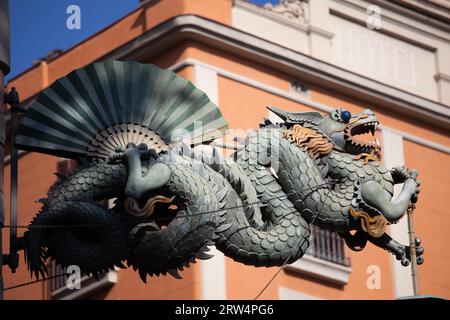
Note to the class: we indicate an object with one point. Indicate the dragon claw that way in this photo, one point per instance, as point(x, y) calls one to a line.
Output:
point(399, 174)
point(411, 177)
point(419, 251)
point(119, 148)
point(413, 174)
point(115, 157)
point(405, 255)
point(142, 146)
point(418, 241)
point(420, 260)
point(120, 152)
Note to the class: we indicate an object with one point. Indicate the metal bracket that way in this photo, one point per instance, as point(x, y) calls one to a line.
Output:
point(13, 100)
point(12, 259)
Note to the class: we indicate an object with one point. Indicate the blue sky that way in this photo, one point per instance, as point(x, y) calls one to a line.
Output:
point(261, 2)
point(38, 26)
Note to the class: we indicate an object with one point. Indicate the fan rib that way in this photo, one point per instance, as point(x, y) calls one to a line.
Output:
point(87, 111)
point(92, 96)
point(49, 116)
point(71, 114)
point(182, 117)
point(95, 109)
point(176, 110)
point(103, 81)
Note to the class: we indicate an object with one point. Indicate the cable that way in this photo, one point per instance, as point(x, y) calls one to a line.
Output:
point(194, 214)
point(34, 282)
point(43, 226)
point(280, 268)
point(273, 278)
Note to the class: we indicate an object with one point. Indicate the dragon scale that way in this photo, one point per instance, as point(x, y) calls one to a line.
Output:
point(172, 200)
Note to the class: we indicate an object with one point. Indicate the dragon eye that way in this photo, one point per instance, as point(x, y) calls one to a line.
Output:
point(345, 116)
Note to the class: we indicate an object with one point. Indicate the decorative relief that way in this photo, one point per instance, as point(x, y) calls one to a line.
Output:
point(294, 10)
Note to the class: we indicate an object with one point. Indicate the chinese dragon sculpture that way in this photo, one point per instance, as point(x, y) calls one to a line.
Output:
point(144, 195)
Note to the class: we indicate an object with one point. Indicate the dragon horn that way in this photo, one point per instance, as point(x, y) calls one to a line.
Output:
point(296, 117)
point(281, 113)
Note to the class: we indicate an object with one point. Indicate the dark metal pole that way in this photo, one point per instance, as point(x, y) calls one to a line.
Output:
point(4, 69)
point(412, 248)
point(13, 257)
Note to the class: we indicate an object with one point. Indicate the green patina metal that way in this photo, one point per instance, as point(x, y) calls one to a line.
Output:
point(132, 126)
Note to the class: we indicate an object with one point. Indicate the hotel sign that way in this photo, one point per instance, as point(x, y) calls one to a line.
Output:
point(384, 58)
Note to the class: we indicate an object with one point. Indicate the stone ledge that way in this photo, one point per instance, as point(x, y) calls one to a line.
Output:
point(89, 285)
point(321, 269)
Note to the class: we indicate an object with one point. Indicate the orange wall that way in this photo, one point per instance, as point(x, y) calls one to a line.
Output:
point(431, 217)
point(35, 176)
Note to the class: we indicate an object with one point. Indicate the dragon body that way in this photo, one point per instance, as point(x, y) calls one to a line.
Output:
point(255, 206)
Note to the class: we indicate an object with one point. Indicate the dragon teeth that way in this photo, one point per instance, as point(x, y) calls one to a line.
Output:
point(377, 142)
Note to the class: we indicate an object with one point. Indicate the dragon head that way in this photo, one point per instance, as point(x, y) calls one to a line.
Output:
point(345, 131)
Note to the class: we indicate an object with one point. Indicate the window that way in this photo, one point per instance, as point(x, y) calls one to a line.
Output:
point(325, 258)
point(328, 245)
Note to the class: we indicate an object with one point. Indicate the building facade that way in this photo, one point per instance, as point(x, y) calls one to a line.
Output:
point(390, 56)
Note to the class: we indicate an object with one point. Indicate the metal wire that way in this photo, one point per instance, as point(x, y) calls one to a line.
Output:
point(50, 226)
point(34, 282)
point(193, 214)
point(285, 262)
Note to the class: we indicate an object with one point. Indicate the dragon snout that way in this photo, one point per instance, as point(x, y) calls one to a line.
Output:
point(139, 186)
point(368, 112)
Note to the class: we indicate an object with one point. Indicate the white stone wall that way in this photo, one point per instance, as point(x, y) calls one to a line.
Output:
point(399, 49)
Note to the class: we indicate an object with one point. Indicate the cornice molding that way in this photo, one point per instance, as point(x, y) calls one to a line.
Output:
point(321, 269)
point(442, 76)
point(400, 7)
point(324, 33)
point(301, 24)
point(237, 42)
point(437, 9)
point(182, 28)
point(294, 10)
point(392, 13)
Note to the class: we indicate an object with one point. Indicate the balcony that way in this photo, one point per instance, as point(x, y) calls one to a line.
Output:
point(325, 258)
point(328, 246)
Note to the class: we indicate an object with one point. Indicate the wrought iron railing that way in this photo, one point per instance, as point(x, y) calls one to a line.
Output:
point(57, 282)
point(328, 245)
